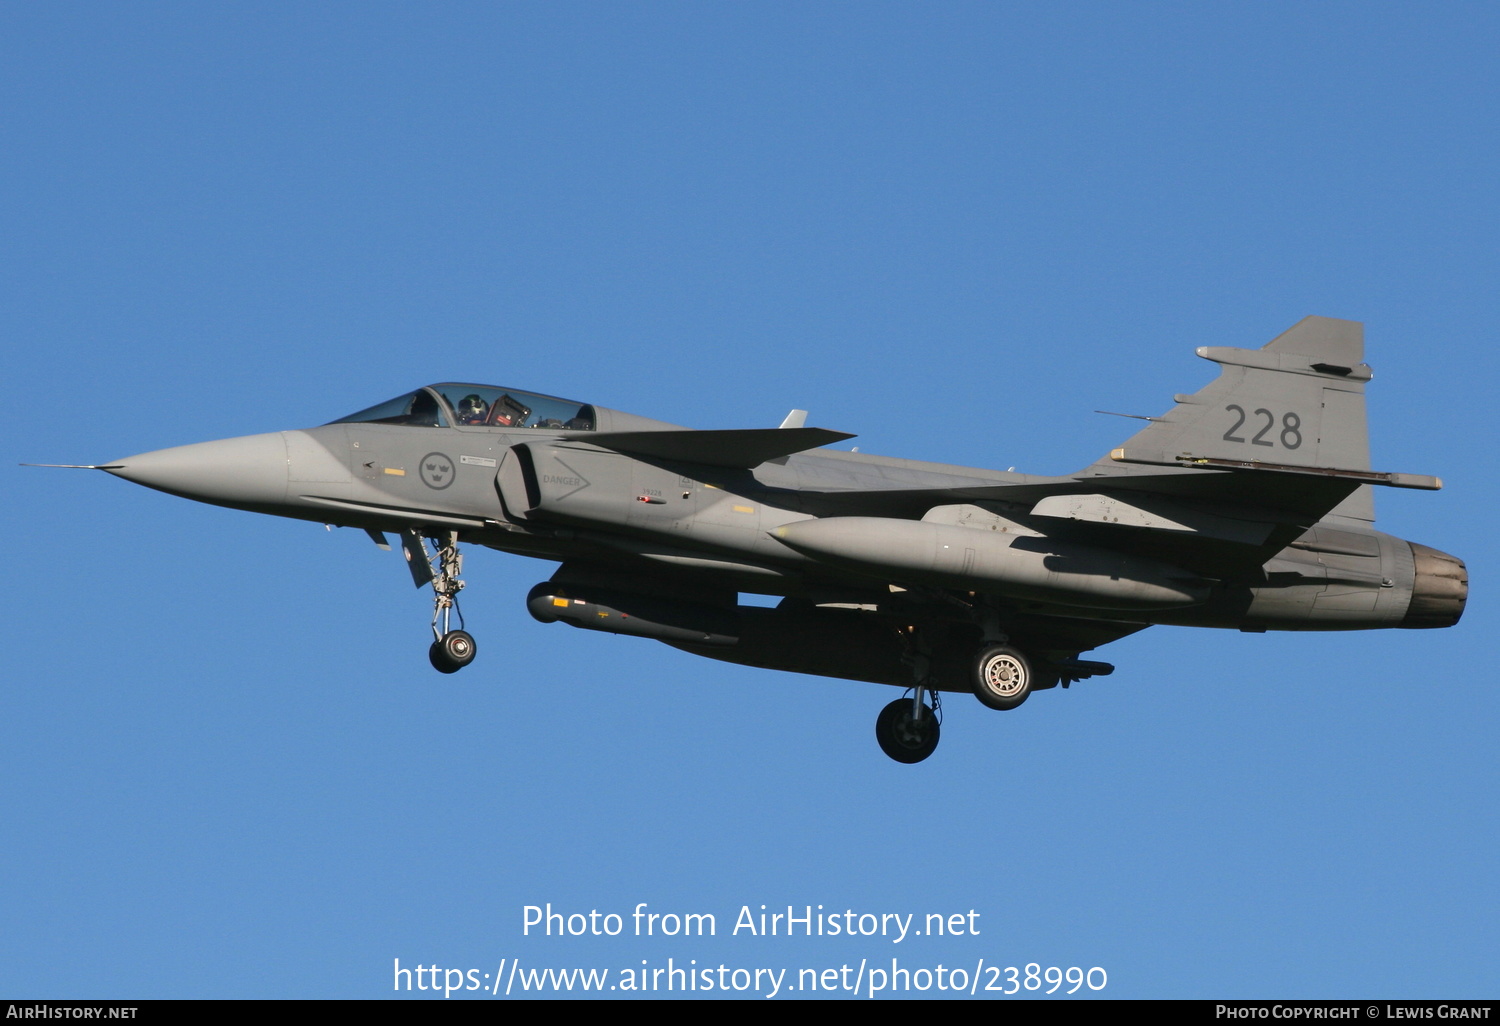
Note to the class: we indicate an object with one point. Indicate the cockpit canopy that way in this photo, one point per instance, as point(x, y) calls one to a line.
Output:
point(464, 405)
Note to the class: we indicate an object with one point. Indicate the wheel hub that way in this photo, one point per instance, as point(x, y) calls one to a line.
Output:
point(1005, 676)
point(911, 733)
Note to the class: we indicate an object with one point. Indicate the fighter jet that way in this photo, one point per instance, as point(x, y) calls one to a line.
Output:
point(1247, 506)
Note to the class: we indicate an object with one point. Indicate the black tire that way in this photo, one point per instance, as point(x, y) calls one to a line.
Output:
point(439, 659)
point(1003, 677)
point(458, 648)
point(902, 738)
point(452, 652)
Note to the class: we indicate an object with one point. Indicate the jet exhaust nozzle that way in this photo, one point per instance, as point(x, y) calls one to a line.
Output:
point(1440, 590)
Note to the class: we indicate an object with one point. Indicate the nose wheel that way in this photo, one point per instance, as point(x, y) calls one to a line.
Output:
point(451, 650)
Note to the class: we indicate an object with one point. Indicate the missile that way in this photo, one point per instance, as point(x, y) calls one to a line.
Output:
point(975, 559)
point(615, 611)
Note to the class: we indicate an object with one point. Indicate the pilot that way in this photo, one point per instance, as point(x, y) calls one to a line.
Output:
point(472, 409)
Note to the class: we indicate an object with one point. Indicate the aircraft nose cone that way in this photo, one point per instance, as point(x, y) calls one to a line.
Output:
point(246, 473)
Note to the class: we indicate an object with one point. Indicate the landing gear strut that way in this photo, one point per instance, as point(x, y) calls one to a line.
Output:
point(451, 650)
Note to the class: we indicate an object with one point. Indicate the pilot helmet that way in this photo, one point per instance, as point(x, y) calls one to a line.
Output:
point(471, 406)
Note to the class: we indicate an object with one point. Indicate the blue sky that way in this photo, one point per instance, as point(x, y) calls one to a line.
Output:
point(953, 229)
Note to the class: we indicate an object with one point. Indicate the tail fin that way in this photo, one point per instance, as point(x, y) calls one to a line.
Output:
point(1298, 401)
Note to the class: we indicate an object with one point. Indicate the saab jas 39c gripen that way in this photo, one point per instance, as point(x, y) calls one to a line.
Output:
point(1246, 506)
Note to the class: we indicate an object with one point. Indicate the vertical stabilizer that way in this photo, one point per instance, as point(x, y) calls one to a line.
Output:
point(1323, 339)
point(1297, 401)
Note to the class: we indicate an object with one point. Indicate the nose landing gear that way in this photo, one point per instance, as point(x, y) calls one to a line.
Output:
point(451, 650)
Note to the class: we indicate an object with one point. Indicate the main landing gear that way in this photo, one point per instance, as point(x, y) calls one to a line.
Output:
point(451, 650)
point(908, 729)
point(1000, 676)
